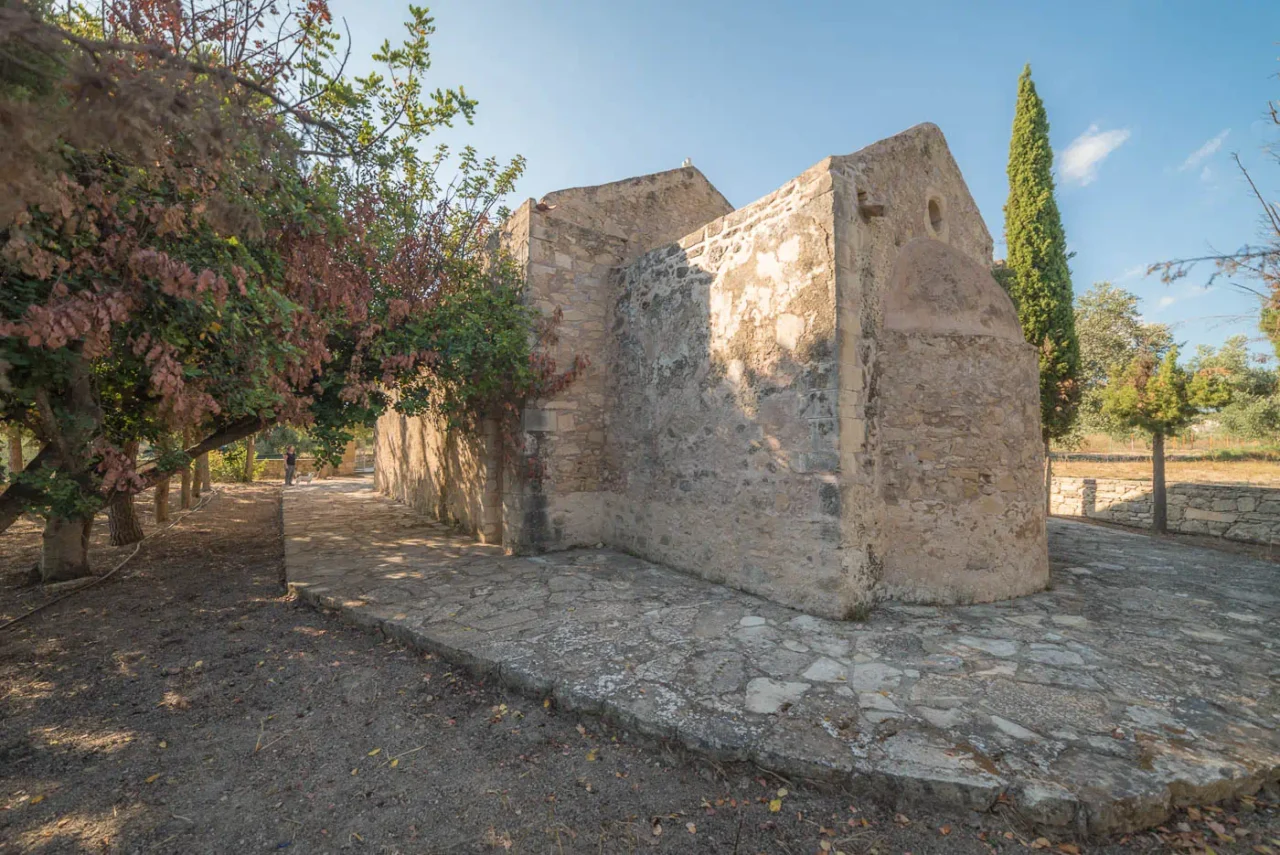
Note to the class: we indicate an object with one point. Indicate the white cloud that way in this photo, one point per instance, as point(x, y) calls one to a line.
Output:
point(1206, 174)
point(1207, 150)
point(1132, 273)
point(1187, 292)
point(1080, 160)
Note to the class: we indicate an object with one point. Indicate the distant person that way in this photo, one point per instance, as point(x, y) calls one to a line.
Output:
point(290, 465)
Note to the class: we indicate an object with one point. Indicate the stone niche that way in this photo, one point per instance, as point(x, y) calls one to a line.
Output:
point(822, 397)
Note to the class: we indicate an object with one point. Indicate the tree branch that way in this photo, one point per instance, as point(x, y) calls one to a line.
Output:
point(18, 495)
point(166, 55)
point(152, 472)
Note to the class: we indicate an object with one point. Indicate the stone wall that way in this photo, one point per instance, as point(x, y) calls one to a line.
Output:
point(961, 464)
point(822, 398)
point(451, 475)
point(273, 467)
point(722, 443)
point(570, 243)
point(825, 399)
point(908, 237)
point(569, 269)
point(1235, 512)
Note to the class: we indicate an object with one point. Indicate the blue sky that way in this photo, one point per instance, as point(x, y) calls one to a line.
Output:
point(1146, 101)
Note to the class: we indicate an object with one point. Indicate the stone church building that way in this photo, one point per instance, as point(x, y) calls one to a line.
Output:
point(822, 397)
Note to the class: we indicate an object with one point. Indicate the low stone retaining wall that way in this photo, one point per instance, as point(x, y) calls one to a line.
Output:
point(273, 467)
point(1232, 511)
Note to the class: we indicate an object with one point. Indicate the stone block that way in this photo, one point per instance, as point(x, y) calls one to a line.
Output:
point(538, 420)
point(1209, 516)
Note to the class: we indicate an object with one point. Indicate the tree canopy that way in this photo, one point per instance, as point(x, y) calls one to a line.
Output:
point(1254, 409)
point(208, 227)
point(1111, 332)
point(1157, 395)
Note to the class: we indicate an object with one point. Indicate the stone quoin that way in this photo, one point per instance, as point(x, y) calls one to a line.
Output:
point(822, 398)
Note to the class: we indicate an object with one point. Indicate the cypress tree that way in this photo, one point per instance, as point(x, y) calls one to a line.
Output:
point(1037, 275)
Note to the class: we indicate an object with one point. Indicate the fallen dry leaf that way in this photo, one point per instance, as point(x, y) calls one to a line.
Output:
point(693, 829)
point(153, 778)
point(775, 805)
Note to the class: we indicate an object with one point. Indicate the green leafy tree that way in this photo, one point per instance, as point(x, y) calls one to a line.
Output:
point(200, 242)
point(1111, 332)
point(1254, 410)
point(1037, 275)
point(1158, 396)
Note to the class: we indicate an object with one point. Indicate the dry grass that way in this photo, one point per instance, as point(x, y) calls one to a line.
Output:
point(1263, 473)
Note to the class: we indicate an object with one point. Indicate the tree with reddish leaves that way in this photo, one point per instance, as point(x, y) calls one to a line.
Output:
point(207, 228)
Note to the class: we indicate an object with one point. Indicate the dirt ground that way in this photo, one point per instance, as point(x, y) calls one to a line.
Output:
point(189, 705)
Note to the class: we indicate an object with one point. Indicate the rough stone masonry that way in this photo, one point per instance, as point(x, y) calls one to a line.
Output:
point(822, 398)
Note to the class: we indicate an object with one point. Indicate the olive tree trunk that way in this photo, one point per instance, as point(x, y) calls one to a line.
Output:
point(248, 460)
point(122, 520)
point(71, 418)
point(197, 477)
point(202, 471)
point(122, 517)
point(15, 451)
point(1159, 508)
point(64, 552)
point(162, 500)
point(184, 475)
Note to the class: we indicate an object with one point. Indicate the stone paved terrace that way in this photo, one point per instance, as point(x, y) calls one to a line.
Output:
point(1146, 677)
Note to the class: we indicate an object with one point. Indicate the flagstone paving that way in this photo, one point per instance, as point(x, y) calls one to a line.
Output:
point(1147, 677)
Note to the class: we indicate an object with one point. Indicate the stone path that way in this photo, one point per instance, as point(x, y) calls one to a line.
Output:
point(1149, 676)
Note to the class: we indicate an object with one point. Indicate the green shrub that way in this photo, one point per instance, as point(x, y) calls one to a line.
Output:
point(227, 464)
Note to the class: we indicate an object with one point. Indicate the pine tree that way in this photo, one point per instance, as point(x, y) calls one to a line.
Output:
point(1037, 275)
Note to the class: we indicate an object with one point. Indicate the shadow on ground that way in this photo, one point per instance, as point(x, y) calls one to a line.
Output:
point(192, 707)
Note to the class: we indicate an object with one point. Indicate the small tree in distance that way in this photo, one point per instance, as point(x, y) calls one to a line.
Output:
point(1111, 331)
point(1160, 397)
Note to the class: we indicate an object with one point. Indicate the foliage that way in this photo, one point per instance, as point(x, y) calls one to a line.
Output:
point(210, 229)
point(1254, 410)
point(227, 464)
point(275, 441)
point(1158, 396)
point(1037, 275)
point(1245, 374)
point(1111, 332)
